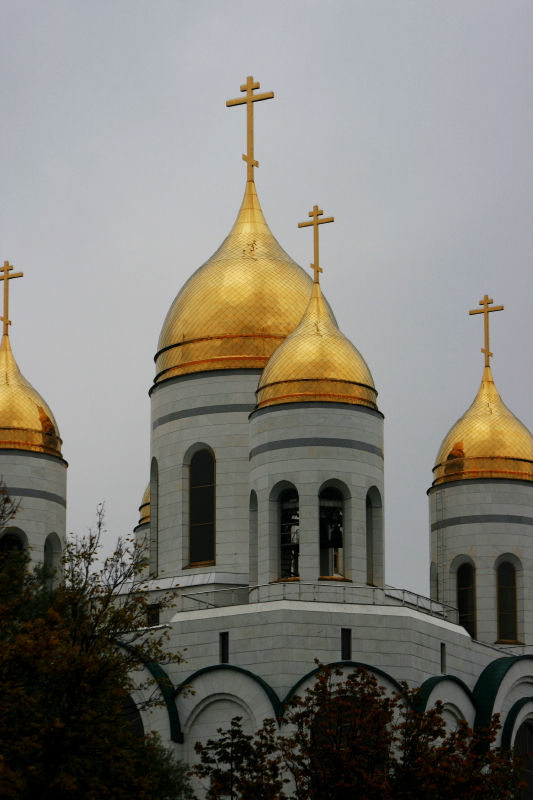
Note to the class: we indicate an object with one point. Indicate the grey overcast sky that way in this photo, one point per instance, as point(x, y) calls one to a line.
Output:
point(120, 172)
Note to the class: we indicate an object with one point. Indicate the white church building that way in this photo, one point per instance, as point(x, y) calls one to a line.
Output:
point(264, 509)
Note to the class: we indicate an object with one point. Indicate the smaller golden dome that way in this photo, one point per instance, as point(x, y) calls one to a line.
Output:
point(487, 442)
point(316, 362)
point(26, 422)
point(144, 508)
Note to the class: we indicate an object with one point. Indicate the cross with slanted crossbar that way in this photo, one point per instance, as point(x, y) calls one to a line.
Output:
point(250, 99)
point(315, 213)
point(485, 311)
point(6, 277)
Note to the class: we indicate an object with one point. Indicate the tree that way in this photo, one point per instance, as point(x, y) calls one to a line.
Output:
point(71, 652)
point(348, 738)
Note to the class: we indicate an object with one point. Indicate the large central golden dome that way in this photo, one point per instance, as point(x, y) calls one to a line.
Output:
point(239, 306)
point(26, 422)
point(487, 442)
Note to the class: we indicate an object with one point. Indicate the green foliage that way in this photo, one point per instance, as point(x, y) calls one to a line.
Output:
point(72, 648)
point(348, 739)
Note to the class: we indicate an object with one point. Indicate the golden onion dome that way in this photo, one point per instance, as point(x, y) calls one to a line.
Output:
point(239, 306)
point(144, 508)
point(487, 442)
point(26, 422)
point(316, 362)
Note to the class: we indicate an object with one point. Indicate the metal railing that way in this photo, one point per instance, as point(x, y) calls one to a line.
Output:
point(331, 592)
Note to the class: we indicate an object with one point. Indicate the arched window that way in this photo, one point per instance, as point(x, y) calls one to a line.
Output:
point(523, 745)
point(466, 598)
point(153, 556)
point(507, 622)
point(52, 555)
point(202, 508)
point(289, 534)
point(374, 537)
point(10, 542)
point(331, 532)
point(253, 538)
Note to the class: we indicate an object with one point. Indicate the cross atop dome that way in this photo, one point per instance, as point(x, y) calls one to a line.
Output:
point(6, 277)
point(250, 99)
point(315, 214)
point(486, 302)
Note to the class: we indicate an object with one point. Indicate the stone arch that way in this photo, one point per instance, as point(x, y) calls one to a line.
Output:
point(455, 695)
point(193, 449)
point(502, 683)
point(9, 536)
point(374, 537)
point(521, 711)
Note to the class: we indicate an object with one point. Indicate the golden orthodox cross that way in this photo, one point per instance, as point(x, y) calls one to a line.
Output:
point(6, 277)
point(250, 99)
point(315, 213)
point(485, 311)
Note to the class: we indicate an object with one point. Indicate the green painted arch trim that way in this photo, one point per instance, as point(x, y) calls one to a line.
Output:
point(488, 684)
point(338, 664)
point(511, 719)
point(269, 691)
point(428, 686)
point(166, 688)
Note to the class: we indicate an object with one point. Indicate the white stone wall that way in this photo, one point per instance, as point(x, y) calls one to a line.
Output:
point(305, 445)
point(205, 409)
point(483, 521)
point(39, 481)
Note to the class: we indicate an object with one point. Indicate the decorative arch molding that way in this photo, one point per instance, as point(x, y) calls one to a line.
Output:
point(438, 686)
point(280, 487)
point(335, 483)
point(374, 670)
point(375, 497)
point(494, 683)
point(195, 448)
point(514, 560)
point(459, 560)
point(518, 713)
point(268, 690)
point(18, 532)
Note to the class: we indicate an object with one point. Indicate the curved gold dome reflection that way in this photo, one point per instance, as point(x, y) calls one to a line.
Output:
point(26, 422)
point(316, 362)
point(144, 508)
point(487, 442)
point(239, 306)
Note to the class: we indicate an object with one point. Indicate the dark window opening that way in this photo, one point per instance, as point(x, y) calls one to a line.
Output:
point(443, 658)
point(289, 534)
point(507, 616)
point(524, 749)
point(369, 542)
point(466, 598)
point(152, 615)
point(331, 533)
point(223, 644)
point(346, 644)
point(10, 542)
point(202, 508)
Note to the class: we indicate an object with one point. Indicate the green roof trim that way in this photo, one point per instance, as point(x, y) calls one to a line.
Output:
point(333, 665)
point(428, 686)
point(269, 691)
point(488, 685)
point(511, 719)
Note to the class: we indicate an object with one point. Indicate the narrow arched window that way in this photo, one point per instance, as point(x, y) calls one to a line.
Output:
point(202, 508)
point(466, 598)
point(331, 533)
point(369, 542)
point(153, 556)
point(289, 534)
point(10, 542)
point(252, 548)
point(374, 538)
point(507, 621)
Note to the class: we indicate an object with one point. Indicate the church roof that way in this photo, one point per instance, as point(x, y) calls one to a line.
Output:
point(488, 441)
point(26, 421)
point(317, 362)
point(237, 308)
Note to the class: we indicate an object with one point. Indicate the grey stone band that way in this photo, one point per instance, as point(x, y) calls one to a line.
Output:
point(352, 444)
point(511, 519)
point(312, 404)
point(195, 412)
point(191, 376)
point(54, 498)
point(32, 454)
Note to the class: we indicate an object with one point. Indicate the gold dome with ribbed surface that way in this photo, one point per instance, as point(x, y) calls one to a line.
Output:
point(26, 422)
point(316, 362)
point(239, 306)
point(144, 508)
point(487, 442)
